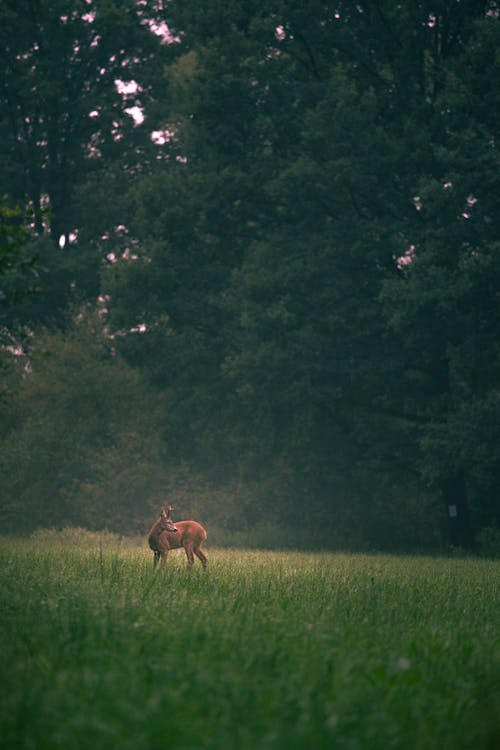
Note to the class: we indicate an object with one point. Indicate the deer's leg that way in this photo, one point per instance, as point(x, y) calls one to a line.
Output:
point(163, 557)
point(156, 557)
point(201, 556)
point(163, 548)
point(189, 553)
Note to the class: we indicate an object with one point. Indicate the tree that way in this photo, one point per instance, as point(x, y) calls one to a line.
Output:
point(444, 308)
point(17, 258)
point(18, 275)
point(79, 437)
point(276, 255)
point(65, 123)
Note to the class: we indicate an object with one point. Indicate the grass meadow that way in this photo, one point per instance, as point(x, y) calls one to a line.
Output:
point(265, 650)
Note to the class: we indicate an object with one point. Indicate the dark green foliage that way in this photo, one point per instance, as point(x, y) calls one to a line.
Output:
point(78, 437)
point(63, 121)
point(311, 256)
point(321, 142)
point(17, 261)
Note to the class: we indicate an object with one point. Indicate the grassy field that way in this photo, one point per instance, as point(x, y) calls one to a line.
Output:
point(264, 651)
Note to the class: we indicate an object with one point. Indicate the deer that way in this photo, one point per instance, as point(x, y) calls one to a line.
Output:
point(165, 535)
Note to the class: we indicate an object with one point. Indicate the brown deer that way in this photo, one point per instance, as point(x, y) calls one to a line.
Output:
point(164, 535)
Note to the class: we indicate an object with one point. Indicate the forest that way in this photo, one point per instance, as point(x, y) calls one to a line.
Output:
point(250, 265)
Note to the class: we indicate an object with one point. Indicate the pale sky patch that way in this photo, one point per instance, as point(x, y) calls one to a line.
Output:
point(129, 255)
point(127, 87)
point(161, 29)
point(407, 258)
point(70, 238)
point(136, 113)
point(160, 137)
point(115, 131)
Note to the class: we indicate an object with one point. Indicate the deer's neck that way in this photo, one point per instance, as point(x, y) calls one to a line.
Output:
point(155, 528)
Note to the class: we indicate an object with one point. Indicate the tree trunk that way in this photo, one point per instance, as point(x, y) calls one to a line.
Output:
point(454, 494)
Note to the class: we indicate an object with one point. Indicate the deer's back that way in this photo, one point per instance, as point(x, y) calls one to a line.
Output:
point(187, 531)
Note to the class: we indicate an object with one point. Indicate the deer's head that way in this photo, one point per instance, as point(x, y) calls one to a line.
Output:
point(166, 522)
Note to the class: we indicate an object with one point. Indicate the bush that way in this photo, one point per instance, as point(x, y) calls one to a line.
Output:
point(272, 536)
point(488, 542)
point(74, 536)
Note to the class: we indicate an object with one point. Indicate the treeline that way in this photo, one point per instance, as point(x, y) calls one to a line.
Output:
point(250, 265)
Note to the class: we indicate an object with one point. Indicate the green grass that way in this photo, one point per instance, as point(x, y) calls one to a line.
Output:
point(264, 651)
